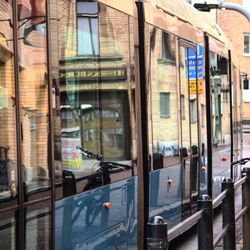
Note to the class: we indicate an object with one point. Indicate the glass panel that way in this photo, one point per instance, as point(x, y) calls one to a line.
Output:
point(8, 154)
point(33, 95)
point(93, 96)
point(8, 231)
point(162, 98)
point(193, 66)
point(202, 106)
point(38, 226)
point(221, 135)
point(88, 36)
point(185, 149)
point(246, 44)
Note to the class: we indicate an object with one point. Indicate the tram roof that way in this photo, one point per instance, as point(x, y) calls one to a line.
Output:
point(187, 13)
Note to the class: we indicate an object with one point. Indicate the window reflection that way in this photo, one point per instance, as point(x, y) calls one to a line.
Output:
point(94, 93)
point(33, 94)
point(163, 98)
point(221, 135)
point(87, 22)
point(8, 157)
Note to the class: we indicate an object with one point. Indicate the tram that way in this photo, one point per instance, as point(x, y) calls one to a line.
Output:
point(116, 111)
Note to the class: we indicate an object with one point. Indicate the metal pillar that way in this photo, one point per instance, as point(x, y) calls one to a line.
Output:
point(157, 234)
point(246, 203)
point(205, 224)
point(228, 214)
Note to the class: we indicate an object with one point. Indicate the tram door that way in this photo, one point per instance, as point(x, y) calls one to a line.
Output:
point(189, 128)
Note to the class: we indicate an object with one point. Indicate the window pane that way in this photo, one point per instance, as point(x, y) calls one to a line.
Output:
point(88, 43)
point(34, 97)
point(8, 231)
point(38, 226)
point(163, 98)
point(87, 7)
point(94, 96)
point(246, 44)
point(8, 150)
point(193, 111)
point(221, 135)
point(165, 104)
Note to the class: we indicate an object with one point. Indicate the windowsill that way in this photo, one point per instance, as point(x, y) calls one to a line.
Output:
point(246, 55)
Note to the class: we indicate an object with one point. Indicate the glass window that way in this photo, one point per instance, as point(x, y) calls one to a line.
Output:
point(183, 107)
point(33, 84)
point(167, 52)
point(221, 132)
point(193, 111)
point(38, 226)
point(165, 105)
point(246, 84)
point(163, 97)
point(8, 150)
point(87, 23)
point(94, 99)
point(8, 230)
point(246, 43)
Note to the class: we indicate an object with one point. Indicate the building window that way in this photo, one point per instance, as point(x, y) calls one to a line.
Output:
point(165, 105)
point(193, 112)
point(246, 84)
point(247, 43)
point(182, 107)
point(203, 115)
point(88, 33)
point(168, 53)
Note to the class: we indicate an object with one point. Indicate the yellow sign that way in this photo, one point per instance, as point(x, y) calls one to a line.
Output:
point(192, 86)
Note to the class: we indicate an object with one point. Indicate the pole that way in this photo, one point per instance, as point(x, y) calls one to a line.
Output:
point(205, 223)
point(246, 203)
point(228, 214)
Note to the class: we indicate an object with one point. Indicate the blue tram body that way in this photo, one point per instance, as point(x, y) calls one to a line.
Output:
point(148, 89)
point(179, 160)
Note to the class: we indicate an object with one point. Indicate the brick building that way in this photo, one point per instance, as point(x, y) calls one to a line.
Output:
point(237, 29)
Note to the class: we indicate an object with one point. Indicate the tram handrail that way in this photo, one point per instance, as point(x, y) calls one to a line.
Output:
point(241, 213)
point(221, 235)
point(204, 216)
point(184, 225)
point(240, 182)
point(218, 200)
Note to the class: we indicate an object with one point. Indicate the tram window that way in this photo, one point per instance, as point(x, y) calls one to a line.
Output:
point(87, 22)
point(34, 98)
point(163, 97)
point(220, 104)
point(96, 97)
point(165, 105)
point(8, 148)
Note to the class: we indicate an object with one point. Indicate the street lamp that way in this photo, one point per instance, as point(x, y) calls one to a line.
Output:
point(213, 4)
